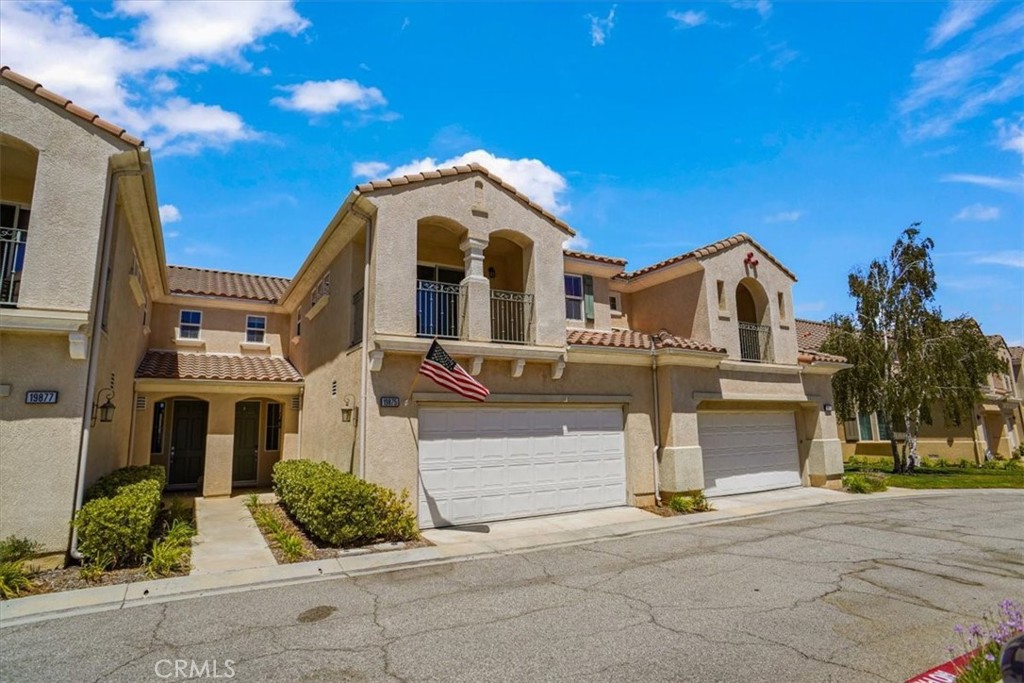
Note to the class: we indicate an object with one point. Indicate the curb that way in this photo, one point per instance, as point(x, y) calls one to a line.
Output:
point(36, 608)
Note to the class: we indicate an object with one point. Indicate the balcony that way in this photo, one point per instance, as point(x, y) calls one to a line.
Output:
point(437, 309)
point(756, 343)
point(12, 256)
point(511, 317)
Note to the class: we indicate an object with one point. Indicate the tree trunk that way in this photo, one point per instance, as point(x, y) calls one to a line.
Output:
point(897, 466)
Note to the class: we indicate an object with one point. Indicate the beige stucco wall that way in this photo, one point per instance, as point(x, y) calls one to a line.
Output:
point(223, 327)
point(39, 443)
point(67, 203)
point(678, 305)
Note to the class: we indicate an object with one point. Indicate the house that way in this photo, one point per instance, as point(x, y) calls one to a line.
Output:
point(994, 427)
point(608, 386)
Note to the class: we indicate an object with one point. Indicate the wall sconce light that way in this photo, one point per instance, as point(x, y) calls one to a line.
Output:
point(828, 408)
point(348, 410)
point(106, 409)
point(491, 273)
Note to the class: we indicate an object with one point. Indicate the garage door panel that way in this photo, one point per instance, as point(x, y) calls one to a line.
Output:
point(485, 464)
point(746, 452)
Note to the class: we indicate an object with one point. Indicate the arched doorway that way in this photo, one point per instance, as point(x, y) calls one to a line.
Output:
point(752, 319)
point(507, 260)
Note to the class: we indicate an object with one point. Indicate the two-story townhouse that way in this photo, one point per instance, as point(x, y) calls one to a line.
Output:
point(80, 246)
point(994, 427)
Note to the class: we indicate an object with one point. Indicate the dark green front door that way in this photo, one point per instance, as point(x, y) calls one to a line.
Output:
point(247, 441)
point(188, 444)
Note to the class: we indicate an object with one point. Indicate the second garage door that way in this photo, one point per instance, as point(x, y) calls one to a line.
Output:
point(745, 452)
point(486, 464)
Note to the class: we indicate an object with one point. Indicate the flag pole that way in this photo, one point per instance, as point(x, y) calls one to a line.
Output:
point(415, 378)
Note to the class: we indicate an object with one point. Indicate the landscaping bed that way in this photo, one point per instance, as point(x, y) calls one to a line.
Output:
point(681, 504)
point(1002, 474)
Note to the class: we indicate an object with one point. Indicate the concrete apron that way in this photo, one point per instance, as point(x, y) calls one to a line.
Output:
point(104, 598)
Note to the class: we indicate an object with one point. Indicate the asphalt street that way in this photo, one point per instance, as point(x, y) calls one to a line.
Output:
point(861, 591)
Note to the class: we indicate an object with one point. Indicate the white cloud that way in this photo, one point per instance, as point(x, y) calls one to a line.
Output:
point(959, 16)
point(600, 28)
point(369, 169)
point(1011, 135)
point(991, 182)
point(688, 19)
point(763, 7)
point(171, 234)
point(532, 177)
point(576, 243)
point(1012, 259)
point(169, 213)
point(126, 79)
point(784, 217)
point(327, 97)
point(977, 212)
point(962, 84)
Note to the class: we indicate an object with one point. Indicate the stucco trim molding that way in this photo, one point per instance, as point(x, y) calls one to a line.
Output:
point(760, 368)
point(699, 396)
point(604, 356)
point(40, 320)
point(822, 368)
point(467, 349)
point(211, 386)
point(567, 399)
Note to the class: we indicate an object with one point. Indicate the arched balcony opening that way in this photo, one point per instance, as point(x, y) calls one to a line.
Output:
point(18, 164)
point(755, 330)
point(508, 266)
point(440, 270)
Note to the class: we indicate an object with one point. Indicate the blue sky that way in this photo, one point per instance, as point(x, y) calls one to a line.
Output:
point(822, 129)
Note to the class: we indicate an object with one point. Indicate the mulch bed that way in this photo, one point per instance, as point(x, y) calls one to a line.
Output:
point(660, 510)
point(317, 549)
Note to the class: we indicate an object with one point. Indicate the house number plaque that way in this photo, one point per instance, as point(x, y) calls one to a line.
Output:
point(390, 402)
point(40, 396)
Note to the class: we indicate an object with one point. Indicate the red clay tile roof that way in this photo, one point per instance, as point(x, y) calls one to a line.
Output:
point(206, 282)
point(177, 365)
point(809, 356)
point(632, 339)
point(367, 188)
point(811, 334)
point(709, 250)
point(64, 103)
point(594, 257)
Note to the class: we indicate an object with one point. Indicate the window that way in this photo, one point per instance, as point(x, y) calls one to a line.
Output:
point(255, 329)
point(357, 318)
point(322, 289)
point(722, 303)
point(884, 430)
point(189, 324)
point(613, 303)
point(865, 427)
point(273, 437)
point(156, 439)
point(13, 233)
point(574, 297)
point(782, 306)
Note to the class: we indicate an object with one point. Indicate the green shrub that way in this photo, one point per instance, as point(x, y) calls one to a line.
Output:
point(864, 483)
point(92, 571)
point(252, 500)
point(291, 546)
point(108, 486)
point(338, 507)
point(167, 557)
point(14, 579)
point(685, 503)
point(180, 533)
point(119, 527)
point(14, 549)
point(266, 520)
point(1014, 465)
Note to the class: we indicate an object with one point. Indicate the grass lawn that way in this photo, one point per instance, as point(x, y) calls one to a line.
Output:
point(949, 477)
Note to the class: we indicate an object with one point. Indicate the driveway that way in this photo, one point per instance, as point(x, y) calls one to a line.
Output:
point(864, 591)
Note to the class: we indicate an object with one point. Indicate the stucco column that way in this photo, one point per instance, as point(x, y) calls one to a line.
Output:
point(476, 293)
point(682, 461)
point(220, 442)
point(824, 449)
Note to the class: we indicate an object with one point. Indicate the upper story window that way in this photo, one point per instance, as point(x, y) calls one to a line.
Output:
point(13, 234)
point(322, 289)
point(357, 318)
point(255, 329)
point(614, 303)
point(189, 324)
point(574, 297)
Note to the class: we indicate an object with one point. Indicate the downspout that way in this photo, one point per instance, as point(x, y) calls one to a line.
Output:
point(302, 398)
point(657, 425)
point(364, 379)
point(94, 346)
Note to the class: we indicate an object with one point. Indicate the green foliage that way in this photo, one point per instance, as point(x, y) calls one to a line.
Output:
point(178, 510)
point(1014, 465)
point(118, 528)
point(14, 580)
point(93, 571)
point(685, 503)
point(108, 486)
point(339, 508)
point(1018, 453)
point(252, 501)
point(14, 549)
point(167, 557)
point(864, 483)
point(905, 356)
point(291, 546)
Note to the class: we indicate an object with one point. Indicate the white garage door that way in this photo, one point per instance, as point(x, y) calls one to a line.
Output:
point(746, 452)
point(486, 464)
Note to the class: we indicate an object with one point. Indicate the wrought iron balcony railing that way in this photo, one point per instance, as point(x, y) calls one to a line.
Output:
point(437, 309)
point(12, 256)
point(511, 317)
point(756, 343)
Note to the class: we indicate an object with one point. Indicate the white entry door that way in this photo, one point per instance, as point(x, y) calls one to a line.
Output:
point(485, 464)
point(745, 452)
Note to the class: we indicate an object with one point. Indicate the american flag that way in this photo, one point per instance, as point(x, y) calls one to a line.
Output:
point(439, 366)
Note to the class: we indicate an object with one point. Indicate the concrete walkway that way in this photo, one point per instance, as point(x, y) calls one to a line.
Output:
point(228, 538)
point(536, 526)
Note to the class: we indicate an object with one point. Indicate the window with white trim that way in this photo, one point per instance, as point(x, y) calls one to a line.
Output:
point(574, 297)
point(614, 303)
point(255, 328)
point(189, 324)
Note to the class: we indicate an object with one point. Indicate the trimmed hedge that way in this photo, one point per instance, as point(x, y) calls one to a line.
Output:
point(340, 508)
point(107, 487)
point(114, 527)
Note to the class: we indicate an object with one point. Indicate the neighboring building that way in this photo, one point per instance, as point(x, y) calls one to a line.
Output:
point(995, 425)
point(607, 386)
